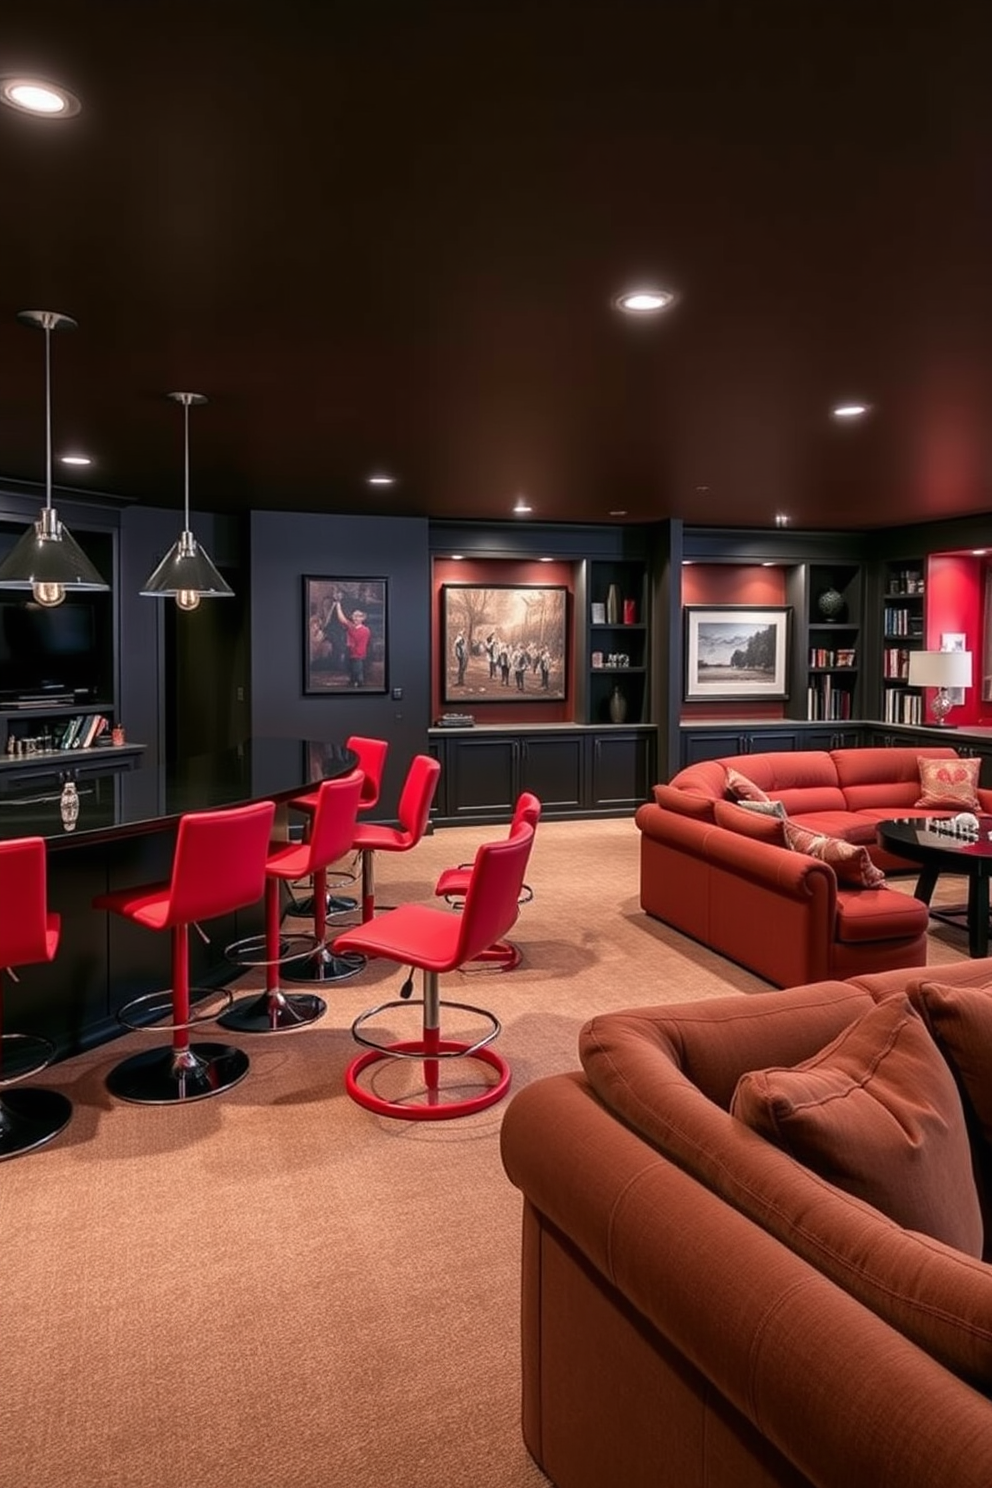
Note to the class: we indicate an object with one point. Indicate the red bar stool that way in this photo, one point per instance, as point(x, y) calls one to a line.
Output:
point(29, 1117)
point(218, 866)
point(275, 1011)
point(420, 935)
point(452, 886)
point(372, 763)
point(413, 811)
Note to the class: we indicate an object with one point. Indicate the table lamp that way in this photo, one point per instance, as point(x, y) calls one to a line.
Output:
point(940, 670)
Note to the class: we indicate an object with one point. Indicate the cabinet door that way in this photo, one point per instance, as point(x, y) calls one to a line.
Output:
point(622, 770)
point(708, 744)
point(551, 767)
point(830, 738)
point(482, 777)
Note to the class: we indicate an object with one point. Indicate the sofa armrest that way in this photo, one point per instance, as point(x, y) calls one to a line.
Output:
point(843, 1396)
point(985, 799)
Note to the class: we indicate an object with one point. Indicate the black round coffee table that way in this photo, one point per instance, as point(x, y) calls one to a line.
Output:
point(921, 840)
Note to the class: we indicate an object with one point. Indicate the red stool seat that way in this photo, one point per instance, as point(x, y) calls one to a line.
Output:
point(275, 1010)
point(218, 866)
point(29, 934)
point(420, 935)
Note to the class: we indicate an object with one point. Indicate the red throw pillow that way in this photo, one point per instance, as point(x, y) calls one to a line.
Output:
point(742, 789)
point(852, 864)
point(951, 783)
point(878, 1114)
point(960, 1019)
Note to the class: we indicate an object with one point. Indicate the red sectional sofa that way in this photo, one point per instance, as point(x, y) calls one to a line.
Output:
point(698, 1307)
point(780, 913)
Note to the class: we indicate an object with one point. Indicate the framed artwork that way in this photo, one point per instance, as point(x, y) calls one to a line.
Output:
point(503, 642)
point(344, 635)
point(736, 651)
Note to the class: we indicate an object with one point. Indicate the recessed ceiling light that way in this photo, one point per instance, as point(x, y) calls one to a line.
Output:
point(979, 552)
point(620, 512)
point(522, 506)
point(381, 480)
point(849, 410)
point(75, 460)
point(457, 557)
point(547, 560)
point(769, 563)
point(781, 520)
point(35, 96)
point(644, 301)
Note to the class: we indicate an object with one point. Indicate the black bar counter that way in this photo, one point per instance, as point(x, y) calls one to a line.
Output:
point(121, 831)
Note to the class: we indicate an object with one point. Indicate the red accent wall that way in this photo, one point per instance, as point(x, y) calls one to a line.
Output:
point(732, 583)
point(501, 571)
point(954, 598)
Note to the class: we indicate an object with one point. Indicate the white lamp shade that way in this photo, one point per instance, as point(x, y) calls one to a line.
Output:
point(940, 669)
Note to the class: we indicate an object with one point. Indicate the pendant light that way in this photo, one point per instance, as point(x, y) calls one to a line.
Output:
point(47, 559)
point(186, 571)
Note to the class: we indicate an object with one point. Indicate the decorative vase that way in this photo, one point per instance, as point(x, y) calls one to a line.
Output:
point(613, 605)
point(830, 604)
point(630, 612)
point(618, 706)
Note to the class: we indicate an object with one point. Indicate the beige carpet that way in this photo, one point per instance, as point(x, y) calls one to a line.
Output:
point(277, 1289)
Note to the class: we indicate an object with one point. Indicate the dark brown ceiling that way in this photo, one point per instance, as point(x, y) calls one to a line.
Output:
point(385, 234)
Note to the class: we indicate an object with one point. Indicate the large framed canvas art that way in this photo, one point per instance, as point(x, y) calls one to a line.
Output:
point(503, 642)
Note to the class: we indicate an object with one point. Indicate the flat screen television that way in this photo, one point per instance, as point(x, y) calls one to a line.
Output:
point(44, 649)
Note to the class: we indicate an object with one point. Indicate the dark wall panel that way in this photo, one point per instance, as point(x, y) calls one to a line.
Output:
point(284, 547)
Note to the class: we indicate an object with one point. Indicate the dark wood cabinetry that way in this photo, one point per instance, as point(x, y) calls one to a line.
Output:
point(903, 631)
point(574, 771)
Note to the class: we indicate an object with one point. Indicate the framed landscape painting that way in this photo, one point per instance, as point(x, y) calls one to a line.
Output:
point(344, 635)
point(503, 642)
point(736, 651)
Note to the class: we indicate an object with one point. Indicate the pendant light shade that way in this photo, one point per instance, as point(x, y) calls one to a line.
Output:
point(47, 559)
point(186, 572)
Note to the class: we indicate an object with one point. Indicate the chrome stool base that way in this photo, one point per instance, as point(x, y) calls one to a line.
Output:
point(322, 967)
point(430, 1049)
point(273, 1012)
point(31, 1117)
point(166, 1076)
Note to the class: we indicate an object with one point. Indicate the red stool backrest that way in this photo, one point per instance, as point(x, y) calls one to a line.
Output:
point(23, 902)
point(333, 829)
point(372, 762)
point(219, 862)
point(491, 903)
point(526, 812)
point(417, 795)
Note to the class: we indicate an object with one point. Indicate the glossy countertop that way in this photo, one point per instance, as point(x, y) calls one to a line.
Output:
point(112, 803)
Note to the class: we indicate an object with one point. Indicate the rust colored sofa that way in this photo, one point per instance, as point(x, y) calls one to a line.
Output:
point(782, 914)
point(698, 1308)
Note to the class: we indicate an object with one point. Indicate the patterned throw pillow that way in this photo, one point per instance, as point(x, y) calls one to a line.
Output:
point(951, 783)
point(742, 789)
point(878, 1114)
point(764, 808)
point(852, 865)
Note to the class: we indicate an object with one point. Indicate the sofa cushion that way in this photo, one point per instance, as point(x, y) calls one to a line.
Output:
point(950, 784)
point(865, 915)
point(846, 825)
point(960, 1020)
point(762, 820)
point(740, 788)
point(852, 864)
point(877, 1113)
point(883, 777)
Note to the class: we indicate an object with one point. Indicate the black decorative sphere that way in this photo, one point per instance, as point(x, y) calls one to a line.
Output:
point(830, 604)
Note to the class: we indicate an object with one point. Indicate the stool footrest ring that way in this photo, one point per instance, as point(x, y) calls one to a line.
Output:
point(251, 950)
point(23, 1055)
point(129, 1014)
point(446, 1049)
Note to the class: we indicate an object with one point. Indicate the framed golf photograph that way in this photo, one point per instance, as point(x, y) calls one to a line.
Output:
point(736, 651)
point(503, 642)
point(344, 636)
